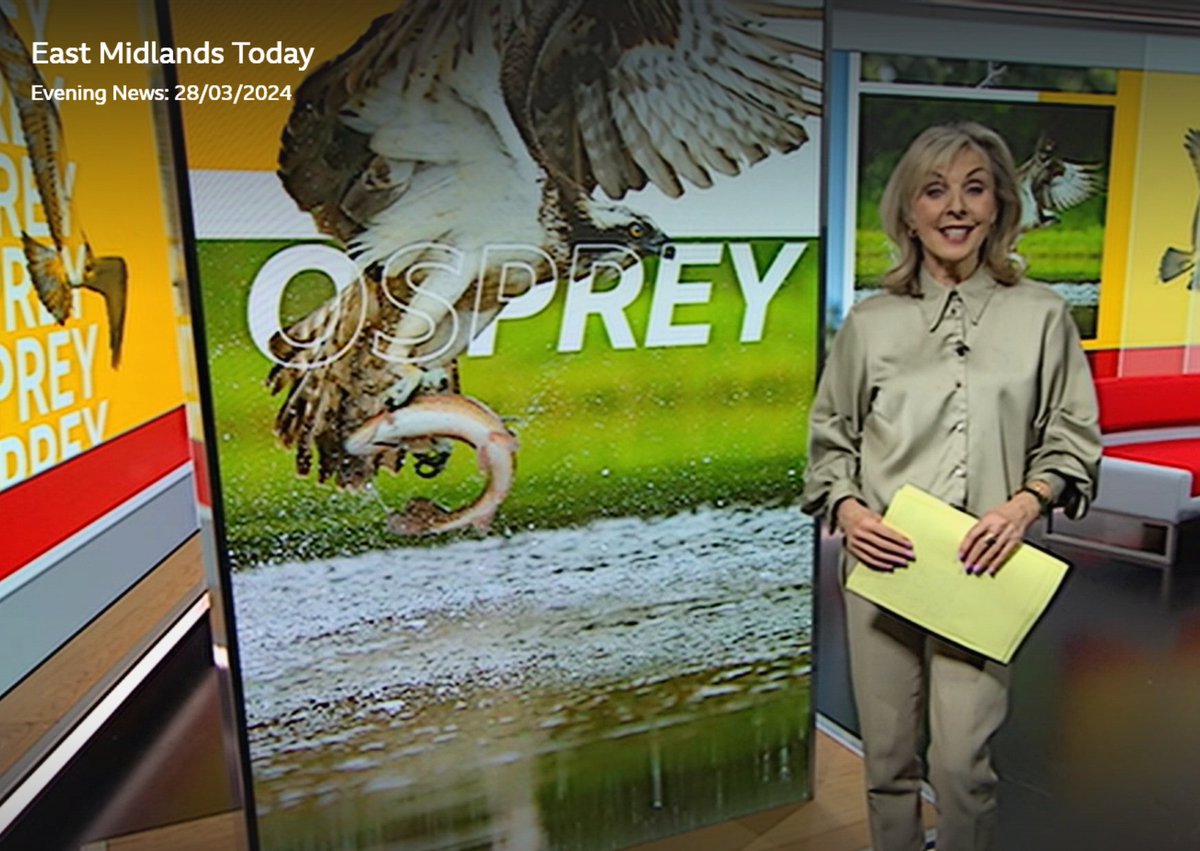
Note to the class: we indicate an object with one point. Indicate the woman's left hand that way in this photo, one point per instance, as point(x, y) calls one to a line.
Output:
point(992, 540)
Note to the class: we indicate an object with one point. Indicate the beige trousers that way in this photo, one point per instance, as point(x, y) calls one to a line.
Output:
point(894, 668)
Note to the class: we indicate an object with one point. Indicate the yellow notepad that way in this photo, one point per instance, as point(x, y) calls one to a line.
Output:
point(988, 614)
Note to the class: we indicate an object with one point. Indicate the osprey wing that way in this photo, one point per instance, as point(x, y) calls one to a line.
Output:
point(619, 93)
point(330, 161)
point(321, 159)
point(1075, 184)
point(1191, 142)
point(41, 126)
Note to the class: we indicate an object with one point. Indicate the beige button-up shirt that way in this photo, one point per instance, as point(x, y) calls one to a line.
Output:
point(967, 392)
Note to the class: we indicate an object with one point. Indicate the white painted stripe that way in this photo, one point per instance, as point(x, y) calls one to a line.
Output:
point(1150, 435)
point(24, 794)
point(921, 90)
point(53, 555)
point(246, 205)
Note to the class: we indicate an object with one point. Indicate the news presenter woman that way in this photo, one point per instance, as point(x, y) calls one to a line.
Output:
point(969, 382)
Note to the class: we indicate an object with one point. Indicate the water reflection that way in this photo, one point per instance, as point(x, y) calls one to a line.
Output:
point(592, 700)
point(564, 771)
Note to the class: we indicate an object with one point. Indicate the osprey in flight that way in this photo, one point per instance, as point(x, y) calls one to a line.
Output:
point(1177, 261)
point(69, 263)
point(1049, 184)
point(499, 123)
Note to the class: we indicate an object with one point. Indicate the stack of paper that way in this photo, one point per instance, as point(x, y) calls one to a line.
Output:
point(988, 614)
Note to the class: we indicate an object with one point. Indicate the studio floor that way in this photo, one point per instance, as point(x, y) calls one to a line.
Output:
point(1101, 749)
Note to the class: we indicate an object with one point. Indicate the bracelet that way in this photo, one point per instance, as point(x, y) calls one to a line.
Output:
point(1043, 500)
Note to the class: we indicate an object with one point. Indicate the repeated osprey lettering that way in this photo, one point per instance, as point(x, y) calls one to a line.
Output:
point(68, 263)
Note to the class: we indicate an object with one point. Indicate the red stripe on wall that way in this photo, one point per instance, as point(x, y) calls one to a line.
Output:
point(1104, 362)
point(57, 503)
point(1158, 360)
point(203, 488)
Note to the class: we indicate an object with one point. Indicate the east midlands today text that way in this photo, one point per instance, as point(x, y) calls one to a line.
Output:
point(153, 53)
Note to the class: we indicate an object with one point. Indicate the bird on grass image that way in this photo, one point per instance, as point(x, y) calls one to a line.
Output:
point(1178, 261)
point(69, 263)
point(1049, 184)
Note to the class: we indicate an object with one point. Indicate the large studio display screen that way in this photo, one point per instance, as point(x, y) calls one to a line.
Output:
point(511, 330)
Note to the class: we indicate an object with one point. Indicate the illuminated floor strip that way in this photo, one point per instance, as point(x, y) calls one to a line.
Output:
point(840, 735)
point(41, 777)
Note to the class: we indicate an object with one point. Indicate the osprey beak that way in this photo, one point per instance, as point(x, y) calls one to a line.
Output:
point(660, 244)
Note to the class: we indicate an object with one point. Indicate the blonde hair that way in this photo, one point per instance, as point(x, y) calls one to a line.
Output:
point(933, 149)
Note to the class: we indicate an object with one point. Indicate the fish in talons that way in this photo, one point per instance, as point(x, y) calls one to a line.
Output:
point(424, 422)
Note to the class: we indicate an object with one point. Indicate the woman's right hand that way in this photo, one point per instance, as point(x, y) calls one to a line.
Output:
point(870, 540)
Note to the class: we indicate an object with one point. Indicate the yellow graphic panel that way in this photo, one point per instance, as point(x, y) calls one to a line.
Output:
point(1117, 211)
point(60, 394)
point(1163, 216)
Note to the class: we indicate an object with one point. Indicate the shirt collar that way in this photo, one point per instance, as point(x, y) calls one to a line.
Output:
point(975, 293)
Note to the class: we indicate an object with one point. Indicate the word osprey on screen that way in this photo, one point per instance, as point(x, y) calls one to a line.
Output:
point(480, 125)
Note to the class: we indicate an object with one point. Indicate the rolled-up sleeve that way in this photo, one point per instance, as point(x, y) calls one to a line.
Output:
point(1068, 429)
point(835, 427)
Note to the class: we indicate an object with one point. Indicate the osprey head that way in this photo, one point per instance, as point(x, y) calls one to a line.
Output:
point(604, 222)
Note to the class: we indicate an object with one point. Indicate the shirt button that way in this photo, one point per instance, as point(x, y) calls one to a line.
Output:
point(960, 472)
point(959, 426)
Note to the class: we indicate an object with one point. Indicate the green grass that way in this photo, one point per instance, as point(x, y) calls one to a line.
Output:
point(1051, 254)
point(602, 431)
point(1056, 255)
point(1068, 251)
